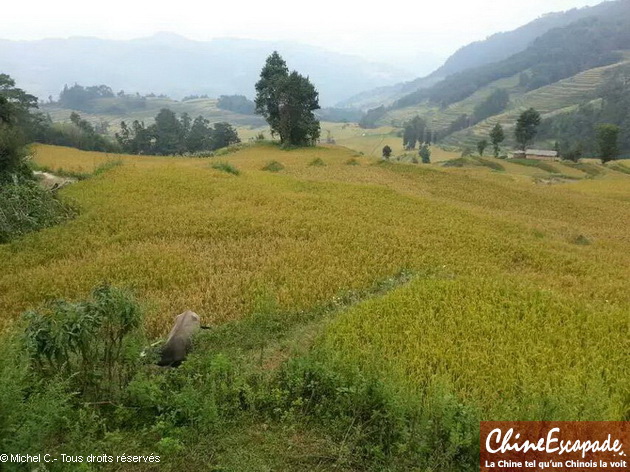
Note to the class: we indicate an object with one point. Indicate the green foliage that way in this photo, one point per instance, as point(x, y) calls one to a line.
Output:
point(226, 167)
point(78, 97)
point(317, 162)
point(497, 136)
point(461, 122)
point(170, 135)
point(79, 133)
point(527, 127)
point(496, 102)
point(273, 166)
point(387, 152)
point(15, 106)
point(481, 146)
point(287, 101)
point(557, 54)
point(90, 343)
point(415, 131)
point(425, 154)
point(236, 103)
point(26, 207)
point(491, 164)
point(223, 135)
point(535, 163)
point(371, 117)
point(607, 138)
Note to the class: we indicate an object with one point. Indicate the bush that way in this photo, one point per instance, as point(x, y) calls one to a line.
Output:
point(317, 162)
point(273, 166)
point(384, 427)
point(352, 162)
point(93, 344)
point(26, 207)
point(226, 167)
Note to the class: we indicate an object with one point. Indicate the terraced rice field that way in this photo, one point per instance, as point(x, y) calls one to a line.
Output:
point(519, 302)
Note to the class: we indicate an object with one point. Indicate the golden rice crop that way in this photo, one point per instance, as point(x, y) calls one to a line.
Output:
point(522, 288)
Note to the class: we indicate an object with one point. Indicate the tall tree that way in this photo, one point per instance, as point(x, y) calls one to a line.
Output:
point(481, 146)
point(527, 127)
point(199, 138)
point(497, 136)
point(223, 134)
point(169, 133)
point(607, 140)
point(425, 154)
point(287, 101)
point(415, 131)
point(15, 105)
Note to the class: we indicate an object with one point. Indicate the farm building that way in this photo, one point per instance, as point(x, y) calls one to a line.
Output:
point(539, 154)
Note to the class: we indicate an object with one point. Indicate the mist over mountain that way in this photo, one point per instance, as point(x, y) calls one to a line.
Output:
point(170, 64)
point(495, 48)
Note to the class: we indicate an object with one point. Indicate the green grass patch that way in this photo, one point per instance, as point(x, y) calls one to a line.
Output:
point(592, 170)
point(535, 163)
point(26, 207)
point(317, 162)
point(491, 164)
point(619, 168)
point(273, 166)
point(226, 167)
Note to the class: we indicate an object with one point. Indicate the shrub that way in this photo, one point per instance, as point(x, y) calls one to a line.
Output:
point(352, 162)
point(317, 162)
point(26, 207)
point(93, 343)
point(273, 166)
point(226, 167)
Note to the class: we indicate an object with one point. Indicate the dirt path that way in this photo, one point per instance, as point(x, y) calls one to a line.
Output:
point(51, 181)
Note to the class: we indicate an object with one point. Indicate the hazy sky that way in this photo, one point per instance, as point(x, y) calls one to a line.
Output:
point(396, 31)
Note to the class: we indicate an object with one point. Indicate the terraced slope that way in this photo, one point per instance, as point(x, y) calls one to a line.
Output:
point(107, 111)
point(551, 99)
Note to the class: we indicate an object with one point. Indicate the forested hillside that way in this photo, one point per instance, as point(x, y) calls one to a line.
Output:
point(495, 48)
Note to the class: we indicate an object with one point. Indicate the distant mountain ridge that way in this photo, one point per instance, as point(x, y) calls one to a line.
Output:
point(170, 64)
point(495, 48)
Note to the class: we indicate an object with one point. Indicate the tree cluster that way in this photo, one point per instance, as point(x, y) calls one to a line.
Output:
point(15, 116)
point(170, 135)
point(237, 103)
point(576, 132)
point(77, 97)
point(495, 103)
point(415, 131)
point(287, 101)
point(369, 119)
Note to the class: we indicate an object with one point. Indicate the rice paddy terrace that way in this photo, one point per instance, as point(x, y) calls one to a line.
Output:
point(517, 301)
point(559, 97)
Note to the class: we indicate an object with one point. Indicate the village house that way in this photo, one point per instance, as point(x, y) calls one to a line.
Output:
point(539, 154)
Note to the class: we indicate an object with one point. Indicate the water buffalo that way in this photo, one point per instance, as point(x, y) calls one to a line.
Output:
point(178, 343)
